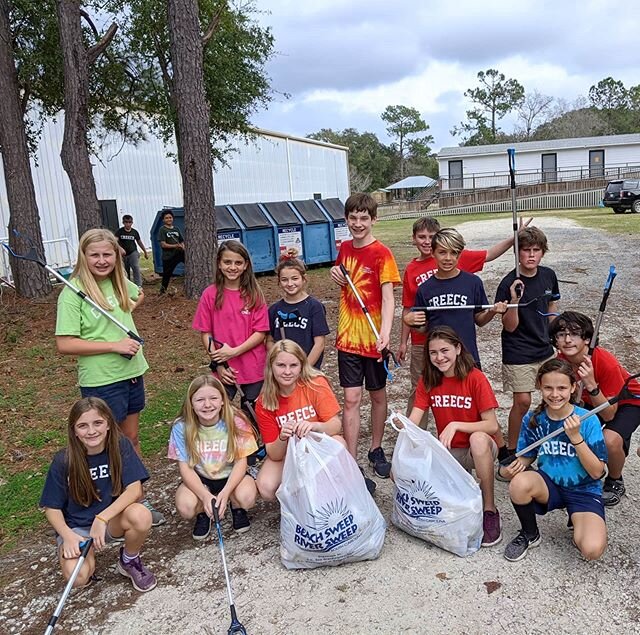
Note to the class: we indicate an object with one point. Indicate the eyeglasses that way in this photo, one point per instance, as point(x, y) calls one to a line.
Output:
point(563, 335)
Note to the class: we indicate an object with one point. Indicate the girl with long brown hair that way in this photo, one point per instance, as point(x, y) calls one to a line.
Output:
point(92, 489)
point(211, 441)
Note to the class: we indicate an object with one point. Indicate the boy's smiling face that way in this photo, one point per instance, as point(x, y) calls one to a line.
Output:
point(422, 240)
point(360, 225)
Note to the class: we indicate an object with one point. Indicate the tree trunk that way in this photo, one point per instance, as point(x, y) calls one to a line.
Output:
point(194, 151)
point(75, 146)
point(30, 279)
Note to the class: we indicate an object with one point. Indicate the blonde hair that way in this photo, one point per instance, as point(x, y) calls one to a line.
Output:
point(89, 284)
point(82, 488)
point(448, 238)
point(228, 414)
point(270, 389)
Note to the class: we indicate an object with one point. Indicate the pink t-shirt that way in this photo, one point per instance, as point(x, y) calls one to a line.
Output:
point(233, 324)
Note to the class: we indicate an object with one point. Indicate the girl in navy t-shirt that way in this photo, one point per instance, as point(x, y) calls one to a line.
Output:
point(92, 489)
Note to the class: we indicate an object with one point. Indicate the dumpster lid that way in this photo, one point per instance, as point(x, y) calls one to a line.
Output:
point(310, 211)
point(251, 215)
point(224, 220)
point(334, 207)
point(282, 213)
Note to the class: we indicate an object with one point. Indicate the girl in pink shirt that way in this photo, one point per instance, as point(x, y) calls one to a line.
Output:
point(233, 320)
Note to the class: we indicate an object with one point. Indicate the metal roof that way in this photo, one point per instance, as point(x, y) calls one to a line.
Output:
point(534, 146)
point(411, 181)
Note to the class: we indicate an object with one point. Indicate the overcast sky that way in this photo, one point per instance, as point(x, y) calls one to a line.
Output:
point(342, 62)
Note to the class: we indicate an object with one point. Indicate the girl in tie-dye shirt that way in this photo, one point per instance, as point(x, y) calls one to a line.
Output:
point(211, 441)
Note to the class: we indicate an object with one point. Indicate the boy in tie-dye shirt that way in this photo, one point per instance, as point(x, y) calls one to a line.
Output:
point(373, 271)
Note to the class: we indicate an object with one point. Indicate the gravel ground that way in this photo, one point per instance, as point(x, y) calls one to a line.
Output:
point(412, 587)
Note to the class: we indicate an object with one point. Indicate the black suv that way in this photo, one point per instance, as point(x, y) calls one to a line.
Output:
point(623, 195)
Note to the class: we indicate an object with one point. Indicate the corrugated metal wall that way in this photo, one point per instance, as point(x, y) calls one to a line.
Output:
point(142, 179)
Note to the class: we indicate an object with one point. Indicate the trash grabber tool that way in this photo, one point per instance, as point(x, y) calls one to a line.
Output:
point(511, 152)
point(33, 256)
point(236, 628)
point(385, 353)
point(624, 393)
point(484, 307)
point(85, 546)
point(603, 306)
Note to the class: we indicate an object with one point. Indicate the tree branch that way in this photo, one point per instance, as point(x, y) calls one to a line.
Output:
point(213, 25)
point(96, 50)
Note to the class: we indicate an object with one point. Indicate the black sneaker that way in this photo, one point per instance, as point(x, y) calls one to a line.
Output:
point(612, 491)
point(241, 522)
point(504, 453)
point(371, 486)
point(378, 460)
point(202, 527)
point(518, 547)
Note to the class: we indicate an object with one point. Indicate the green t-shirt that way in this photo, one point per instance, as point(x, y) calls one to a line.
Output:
point(79, 319)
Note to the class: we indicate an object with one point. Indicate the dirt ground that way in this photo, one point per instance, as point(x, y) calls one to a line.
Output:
point(412, 587)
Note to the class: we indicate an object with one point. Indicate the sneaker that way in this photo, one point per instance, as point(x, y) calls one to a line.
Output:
point(504, 453)
point(612, 491)
point(371, 486)
point(156, 517)
point(518, 547)
point(499, 477)
point(241, 522)
point(162, 291)
point(202, 527)
point(378, 460)
point(141, 578)
point(492, 528)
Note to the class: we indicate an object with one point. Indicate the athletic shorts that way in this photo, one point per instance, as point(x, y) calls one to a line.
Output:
point(520, 377)
point(86, 531)
point(354, 369)
point(123, 397)
point(215, 486)
point(464, 457)
point(571, 500)
point(625, 422)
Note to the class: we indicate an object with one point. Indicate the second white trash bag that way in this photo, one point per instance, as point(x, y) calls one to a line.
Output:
point(327, 515)
point(435, 498)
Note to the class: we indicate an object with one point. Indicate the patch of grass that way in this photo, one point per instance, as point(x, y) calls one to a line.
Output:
point(38, 439)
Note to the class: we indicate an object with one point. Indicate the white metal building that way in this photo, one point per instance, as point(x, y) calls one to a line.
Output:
point(476, 167)
point(142, 179)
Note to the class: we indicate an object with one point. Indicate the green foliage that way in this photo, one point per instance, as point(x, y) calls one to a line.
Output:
point(404, 122)
point(493, 99)
point(371, 163)
point(618, 106)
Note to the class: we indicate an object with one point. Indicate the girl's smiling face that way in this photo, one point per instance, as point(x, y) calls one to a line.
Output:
point(556, 389)
point(207, 404)
point(232, 266)
point(92, 429)
point(286, 370)
point(292, 282)
point(443, 355)
point(101, 259)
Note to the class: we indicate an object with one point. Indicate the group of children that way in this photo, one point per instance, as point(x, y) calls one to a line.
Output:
point(271, 357)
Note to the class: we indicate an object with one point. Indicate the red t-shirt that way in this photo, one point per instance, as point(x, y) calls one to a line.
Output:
point(369, 267)
point(306, 403)
point(455, 400)
point(610, 375)
point(418, 271)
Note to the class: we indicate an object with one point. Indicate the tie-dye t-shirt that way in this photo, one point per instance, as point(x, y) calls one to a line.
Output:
point(212, 447)
point(557, 457)
point(369, 267)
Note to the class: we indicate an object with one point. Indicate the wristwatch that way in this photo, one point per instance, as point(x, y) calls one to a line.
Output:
point(595, 391)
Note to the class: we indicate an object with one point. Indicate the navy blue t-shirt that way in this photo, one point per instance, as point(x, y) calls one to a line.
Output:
point(302, 321)
point(55, 494)
point(530, 341)
point(464, 289)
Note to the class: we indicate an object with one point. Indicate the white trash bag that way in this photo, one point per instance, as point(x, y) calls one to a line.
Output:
point(327, 515)
point(435, 498)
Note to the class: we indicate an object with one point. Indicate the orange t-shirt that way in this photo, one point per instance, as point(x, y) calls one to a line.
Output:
point(369, 267)
point(306, 403)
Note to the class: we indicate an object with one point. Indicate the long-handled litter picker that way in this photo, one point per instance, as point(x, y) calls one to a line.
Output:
point(624, 393)
point(511, 153)
point(236, 627)
point(484, 307)
point(33, 256)
point(85, 546)
point(385, 353)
